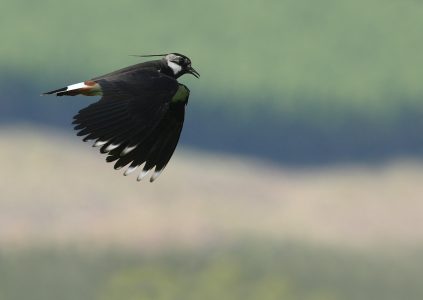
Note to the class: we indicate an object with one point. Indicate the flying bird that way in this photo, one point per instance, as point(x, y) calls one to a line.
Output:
point(139, 118)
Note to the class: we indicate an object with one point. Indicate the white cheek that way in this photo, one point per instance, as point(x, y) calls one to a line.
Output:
point(175, 67)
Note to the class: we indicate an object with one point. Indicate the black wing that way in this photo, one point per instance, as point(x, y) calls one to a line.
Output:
point(153, 64)
point(136, 121)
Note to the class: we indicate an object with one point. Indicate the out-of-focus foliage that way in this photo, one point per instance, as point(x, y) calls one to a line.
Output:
point(246, 271)
point(353, 52)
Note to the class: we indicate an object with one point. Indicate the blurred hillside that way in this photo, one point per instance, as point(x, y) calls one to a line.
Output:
point(59, 192)
point(297, 82)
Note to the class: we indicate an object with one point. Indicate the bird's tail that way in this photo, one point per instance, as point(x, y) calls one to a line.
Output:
point(87, 88)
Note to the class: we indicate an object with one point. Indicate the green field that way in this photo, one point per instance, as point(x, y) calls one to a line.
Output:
point(351, 54)
point(244, 271)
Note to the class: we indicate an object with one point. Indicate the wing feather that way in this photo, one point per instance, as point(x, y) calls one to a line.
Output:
point(135, 121)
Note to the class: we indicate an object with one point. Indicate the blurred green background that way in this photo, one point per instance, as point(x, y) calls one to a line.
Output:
point(298, 174)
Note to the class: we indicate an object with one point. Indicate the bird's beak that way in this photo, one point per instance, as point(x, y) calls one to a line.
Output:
point(193, 72)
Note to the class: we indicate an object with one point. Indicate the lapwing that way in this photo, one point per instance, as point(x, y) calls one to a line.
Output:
point(139, 118)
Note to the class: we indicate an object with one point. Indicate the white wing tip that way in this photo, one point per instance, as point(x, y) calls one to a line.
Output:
point(127, 150)
point(156, 175)
point(130, 170)
point(111, 147)
point(142, 174)
point(99, 143)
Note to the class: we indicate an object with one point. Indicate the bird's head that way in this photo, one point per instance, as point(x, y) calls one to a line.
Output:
point(176, 64)
point(180, 65)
